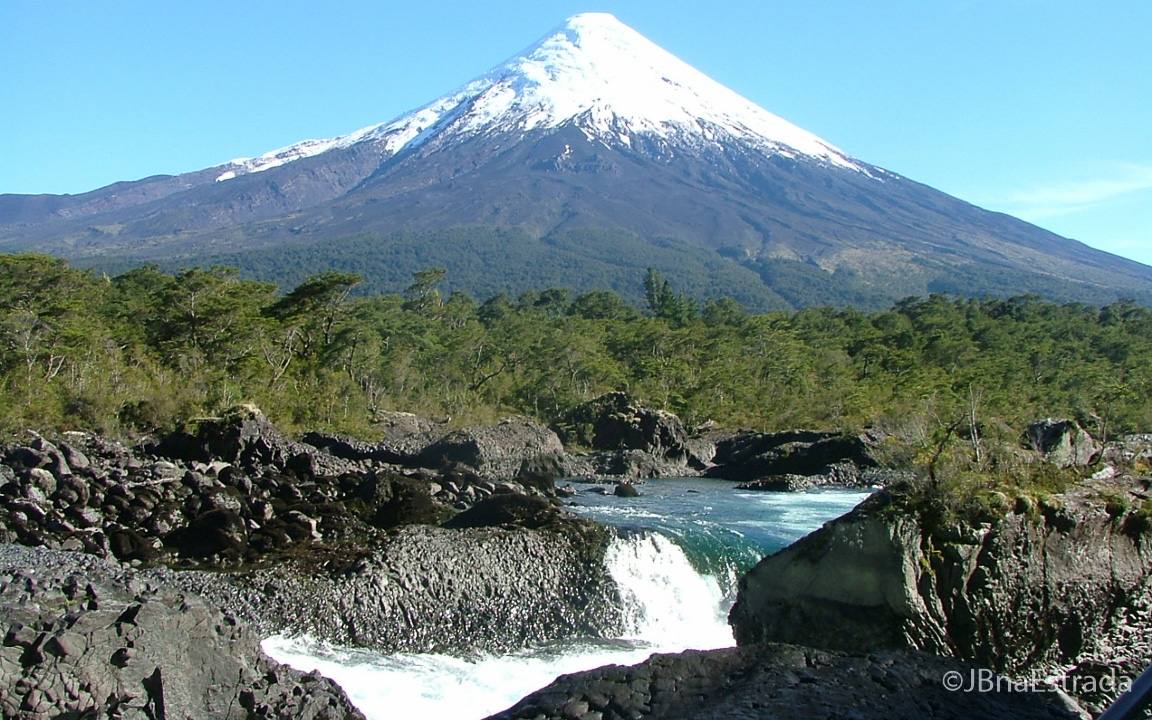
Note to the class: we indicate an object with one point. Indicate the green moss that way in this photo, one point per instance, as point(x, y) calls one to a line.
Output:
point(925, 566)
point(1139, 521)
point(1025, 505)
point(997, 503)
point(934, 555)
point(961, 496)
point(1117, 504)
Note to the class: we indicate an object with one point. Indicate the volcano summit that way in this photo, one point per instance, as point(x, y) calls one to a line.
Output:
point(578, 162)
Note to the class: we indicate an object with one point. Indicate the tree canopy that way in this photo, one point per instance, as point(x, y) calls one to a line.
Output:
point(146, 350)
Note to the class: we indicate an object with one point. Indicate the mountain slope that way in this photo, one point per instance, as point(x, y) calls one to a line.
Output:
point(593, 128)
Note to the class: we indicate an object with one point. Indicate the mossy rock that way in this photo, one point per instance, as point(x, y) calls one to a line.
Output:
point(1025, 505)
point(1117, 505)
point(1139, 521)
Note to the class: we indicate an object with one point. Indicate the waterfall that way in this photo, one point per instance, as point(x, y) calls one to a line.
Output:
point(675, 585)
point(668, 606)
point(666, 602)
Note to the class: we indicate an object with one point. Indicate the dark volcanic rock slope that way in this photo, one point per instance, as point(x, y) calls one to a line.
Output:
point(766, 682)
point(427, 589)
point(349, 549)
point(88, 638)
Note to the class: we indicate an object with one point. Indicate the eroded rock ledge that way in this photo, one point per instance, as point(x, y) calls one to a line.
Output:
point(778, 681)
point(1063, 590)
point(1052, 591)
point(87, 638)
point(429, 589)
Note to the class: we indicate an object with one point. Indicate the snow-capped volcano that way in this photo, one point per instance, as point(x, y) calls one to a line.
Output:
point(579, 162)
point(593, 72)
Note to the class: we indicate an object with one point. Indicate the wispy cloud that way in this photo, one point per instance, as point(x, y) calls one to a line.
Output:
point(1063, 198)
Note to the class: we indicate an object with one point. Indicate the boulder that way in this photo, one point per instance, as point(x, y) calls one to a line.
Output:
point(541, 471)
point(626, 490)
point(216, 532)
point(657, 432)
point(245, 437)
point(404, 437)
point(507, 510)
point(406, 432)
point(629, 464)
point(395, 501)
point(1062, 442)
point(496, 452)
point(614, 422)
point(75, 458)
point(746, 457)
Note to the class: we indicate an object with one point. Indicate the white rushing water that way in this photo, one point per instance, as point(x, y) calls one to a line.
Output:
point(667, 604)
point(668, 607)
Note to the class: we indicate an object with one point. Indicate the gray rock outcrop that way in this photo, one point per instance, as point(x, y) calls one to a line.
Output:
point(233, 490)
point(1064, 590)
point(245, 438)
point(84, 637)
point(1062, 442)
point(429, 589)
point(356, 557)
point(766, 682)
point(494, 452)
point(836, 458)
point(632, 441)
point(403, 436)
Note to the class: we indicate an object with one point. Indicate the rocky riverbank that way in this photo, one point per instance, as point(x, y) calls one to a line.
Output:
point(459, 547)
point(779, 681)
point(431, 589)
point(234, 492)
point(1058, 588)
point(626, 442)
point(86, 637)
point(430, 540)
point(865, 617)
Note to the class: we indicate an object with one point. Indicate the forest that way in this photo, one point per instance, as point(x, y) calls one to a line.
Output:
point(146, 351)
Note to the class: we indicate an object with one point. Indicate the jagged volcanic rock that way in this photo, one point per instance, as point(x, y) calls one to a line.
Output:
point(85, 637)
point(1059, 588)
point(765, 682)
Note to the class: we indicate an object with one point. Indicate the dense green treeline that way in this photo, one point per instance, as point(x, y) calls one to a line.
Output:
point(145, 350)
point(487, 261)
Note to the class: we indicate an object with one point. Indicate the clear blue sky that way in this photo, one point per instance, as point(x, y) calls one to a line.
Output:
point(1038, 108)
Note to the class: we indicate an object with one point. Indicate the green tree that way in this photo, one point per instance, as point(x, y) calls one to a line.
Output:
point(678, 310)
point(421, 295)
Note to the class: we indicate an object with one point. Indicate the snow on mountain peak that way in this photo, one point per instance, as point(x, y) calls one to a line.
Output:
point(598, 73)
